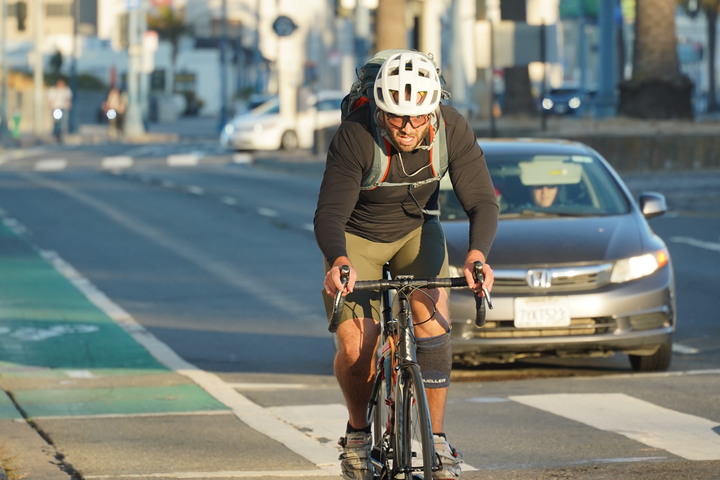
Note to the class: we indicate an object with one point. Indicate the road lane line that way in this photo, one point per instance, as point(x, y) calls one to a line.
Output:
point(681, 434)
point(242, 158)
point(684, 349)
point(50, 165)
point(713, 246)
point(186, 250)
point(255, 416)
point(195, 190)
point(225, 475)
point(117, 162)
point(267, 212)
point(183, 160)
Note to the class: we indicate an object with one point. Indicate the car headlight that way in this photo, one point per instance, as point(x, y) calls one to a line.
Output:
point(640, 266)
point(547, 104)
point(575, 102)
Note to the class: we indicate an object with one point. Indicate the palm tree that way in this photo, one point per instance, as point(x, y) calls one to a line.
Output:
point(171, 27)
point(391, 29)
point(657, 89)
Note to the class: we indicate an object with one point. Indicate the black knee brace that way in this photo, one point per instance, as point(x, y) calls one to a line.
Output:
point(434, 354)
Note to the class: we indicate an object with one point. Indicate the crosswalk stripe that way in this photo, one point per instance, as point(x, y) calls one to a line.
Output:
point(323, 423)
point(183, 160)
point(117, 162)
point(51, 164)
point(681, 434)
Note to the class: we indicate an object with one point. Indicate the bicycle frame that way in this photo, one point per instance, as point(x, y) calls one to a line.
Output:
point(399, 385)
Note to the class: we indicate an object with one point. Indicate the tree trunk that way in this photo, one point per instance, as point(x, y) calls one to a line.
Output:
point(391, 27)
point(518, 91)
point(657, 89)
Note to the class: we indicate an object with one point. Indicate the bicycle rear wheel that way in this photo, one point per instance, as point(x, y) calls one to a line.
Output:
point(414, 451)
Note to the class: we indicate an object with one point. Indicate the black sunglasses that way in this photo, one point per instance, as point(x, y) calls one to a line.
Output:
point(399, 121)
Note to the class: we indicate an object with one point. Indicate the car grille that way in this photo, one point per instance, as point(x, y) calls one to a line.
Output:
point(578, 326)
point(556, 279)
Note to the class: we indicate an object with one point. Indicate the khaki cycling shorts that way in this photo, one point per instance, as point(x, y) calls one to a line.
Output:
point(421, 253)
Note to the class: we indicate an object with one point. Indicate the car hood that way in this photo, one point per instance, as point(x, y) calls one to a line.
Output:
point(556, 240)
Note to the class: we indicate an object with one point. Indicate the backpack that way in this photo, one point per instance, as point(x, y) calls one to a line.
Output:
point(361, 93)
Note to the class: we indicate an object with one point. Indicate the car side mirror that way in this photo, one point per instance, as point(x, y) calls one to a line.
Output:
point(652, 204)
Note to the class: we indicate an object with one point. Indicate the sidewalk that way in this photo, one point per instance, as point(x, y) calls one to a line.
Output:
point(182, 129)
point(81, 396)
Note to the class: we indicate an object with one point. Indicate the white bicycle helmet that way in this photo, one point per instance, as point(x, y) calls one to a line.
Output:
point(408, 84)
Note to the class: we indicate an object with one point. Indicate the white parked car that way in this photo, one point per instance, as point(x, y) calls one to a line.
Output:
point(263, 128)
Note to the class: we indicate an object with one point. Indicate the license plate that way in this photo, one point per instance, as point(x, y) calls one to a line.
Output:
point(540, 312)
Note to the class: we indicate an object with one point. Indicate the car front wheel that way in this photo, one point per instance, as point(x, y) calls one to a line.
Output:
point(289, 141)
point(657, 362)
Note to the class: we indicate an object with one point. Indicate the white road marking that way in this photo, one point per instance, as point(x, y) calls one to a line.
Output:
point(713, 246)
point(117, 162)
point(242, 158)
point(256, 417)
point(322, 423)
point(51, 165)
point(269, 386)
point(195, 190)
point(183, 160)
point(267, 212)
point(679, 433)
point(231, 474)
point(684, 349)
point(230, 201)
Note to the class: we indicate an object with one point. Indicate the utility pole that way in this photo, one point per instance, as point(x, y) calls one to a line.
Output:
point(133, 120)
point(40, 102)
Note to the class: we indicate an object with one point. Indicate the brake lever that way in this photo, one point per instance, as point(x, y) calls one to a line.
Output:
point(339, 300)
point(481, 300)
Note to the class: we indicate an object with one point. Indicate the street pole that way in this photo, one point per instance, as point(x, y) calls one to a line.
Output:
point(606, 92)
point(223, 65)
point(133, 120)
point(72, 115)
point(4, 132)
point(40, 103)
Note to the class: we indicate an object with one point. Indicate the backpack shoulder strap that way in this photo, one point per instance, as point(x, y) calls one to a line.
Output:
point(440, 149)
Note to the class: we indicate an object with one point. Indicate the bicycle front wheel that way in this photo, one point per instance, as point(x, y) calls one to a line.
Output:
point(414, 451)
point(379, 418)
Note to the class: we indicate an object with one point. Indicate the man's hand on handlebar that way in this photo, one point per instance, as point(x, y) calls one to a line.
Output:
point(472, 257)
point(333, 281)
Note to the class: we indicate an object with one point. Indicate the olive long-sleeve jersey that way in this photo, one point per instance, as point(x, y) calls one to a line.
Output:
point(387, 213)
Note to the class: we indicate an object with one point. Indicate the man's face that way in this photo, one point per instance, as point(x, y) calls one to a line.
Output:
point(402, 131)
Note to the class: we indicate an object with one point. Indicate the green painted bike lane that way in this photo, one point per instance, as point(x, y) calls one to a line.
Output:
point(61, 355)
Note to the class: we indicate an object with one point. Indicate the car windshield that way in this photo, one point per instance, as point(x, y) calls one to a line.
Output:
point(271, 106)
point(543, 185)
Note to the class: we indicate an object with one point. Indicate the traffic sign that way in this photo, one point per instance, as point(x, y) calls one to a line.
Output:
point(284, 26)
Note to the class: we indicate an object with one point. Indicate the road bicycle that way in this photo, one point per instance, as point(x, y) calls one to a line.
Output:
point(403, 446)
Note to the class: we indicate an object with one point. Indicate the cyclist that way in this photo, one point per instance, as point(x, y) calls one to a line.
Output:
point(366, 227)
